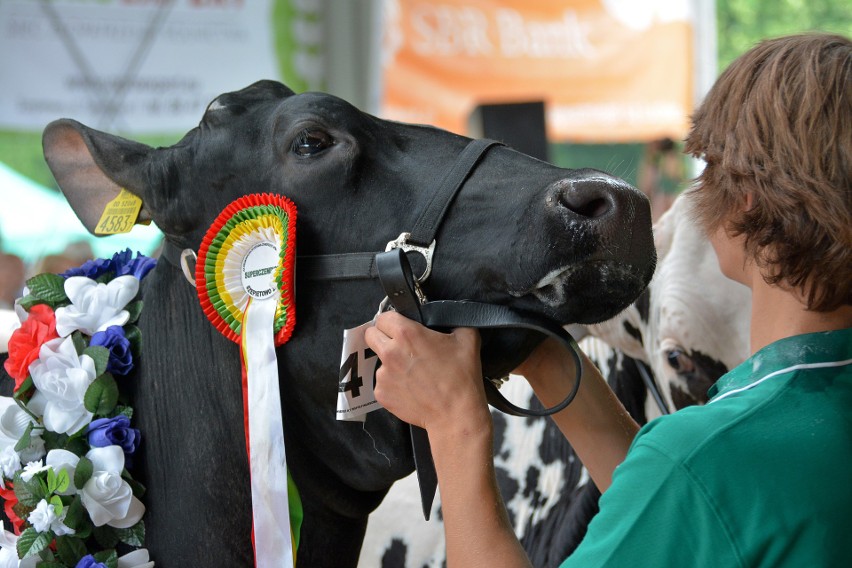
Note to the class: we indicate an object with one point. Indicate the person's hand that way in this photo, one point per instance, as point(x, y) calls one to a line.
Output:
point(427, 378)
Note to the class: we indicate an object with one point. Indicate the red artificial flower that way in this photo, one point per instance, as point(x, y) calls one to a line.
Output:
point(25, 342)
point(9, 502)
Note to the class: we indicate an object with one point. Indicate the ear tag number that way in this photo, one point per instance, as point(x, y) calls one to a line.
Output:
point(120, 214)
point(357, 376)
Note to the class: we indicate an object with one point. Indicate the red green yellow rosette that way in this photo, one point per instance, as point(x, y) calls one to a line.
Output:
point(244, 278)
point(244, 223)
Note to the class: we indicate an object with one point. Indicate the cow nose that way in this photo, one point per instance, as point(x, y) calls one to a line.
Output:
point(590, 196)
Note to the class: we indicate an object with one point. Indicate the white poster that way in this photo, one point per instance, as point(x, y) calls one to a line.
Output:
point(130, 66)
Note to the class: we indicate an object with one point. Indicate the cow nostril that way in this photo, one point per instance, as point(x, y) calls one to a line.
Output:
point(589, 197)
point(592, 209)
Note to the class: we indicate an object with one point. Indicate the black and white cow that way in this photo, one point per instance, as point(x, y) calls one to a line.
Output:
point(692, 323)
point(572, 245)
point(689, 327)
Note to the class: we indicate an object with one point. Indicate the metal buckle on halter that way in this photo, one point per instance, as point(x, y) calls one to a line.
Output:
point(401, 242)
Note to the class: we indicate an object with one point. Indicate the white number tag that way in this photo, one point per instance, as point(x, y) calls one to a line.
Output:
point(357, 376)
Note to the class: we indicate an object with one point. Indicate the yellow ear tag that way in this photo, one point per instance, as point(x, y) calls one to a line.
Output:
point(120, 214)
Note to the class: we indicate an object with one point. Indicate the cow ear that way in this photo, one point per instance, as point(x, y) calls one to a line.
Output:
point(92, 167)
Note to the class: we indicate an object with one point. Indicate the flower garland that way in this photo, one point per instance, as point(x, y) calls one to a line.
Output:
point(66, 442)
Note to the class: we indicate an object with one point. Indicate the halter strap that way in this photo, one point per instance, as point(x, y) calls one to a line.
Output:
point(427, 225)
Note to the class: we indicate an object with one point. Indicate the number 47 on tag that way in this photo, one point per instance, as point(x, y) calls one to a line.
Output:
point(357, 377)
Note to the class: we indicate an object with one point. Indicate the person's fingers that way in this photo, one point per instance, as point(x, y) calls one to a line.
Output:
point(374, 337)
point(391, 322)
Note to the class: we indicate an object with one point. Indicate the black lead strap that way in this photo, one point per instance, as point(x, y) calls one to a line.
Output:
point(398, 282)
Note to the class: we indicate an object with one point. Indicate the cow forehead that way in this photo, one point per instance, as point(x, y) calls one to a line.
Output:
point(274, 102)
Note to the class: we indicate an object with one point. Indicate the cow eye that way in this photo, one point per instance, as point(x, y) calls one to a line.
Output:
point(679, 361)
point(311, 142)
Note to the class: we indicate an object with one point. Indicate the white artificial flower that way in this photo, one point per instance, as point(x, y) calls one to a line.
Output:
point(10, 464)
point(106, 496)
point(58, 460)
point(137, 559)
point(61, 378)
point(94, 307)
point(44, 518)
point(13, 423)
point(32, 469)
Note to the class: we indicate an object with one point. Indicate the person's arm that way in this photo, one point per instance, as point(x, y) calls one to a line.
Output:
point(596, 423)
point(434, 380)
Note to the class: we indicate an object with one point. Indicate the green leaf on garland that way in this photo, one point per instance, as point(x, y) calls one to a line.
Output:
point(137, 488)
point(77, 446)
point(53, 564)
point(23, 511)
point(134, 309)
point(28, 301)
point(70, 549)
point(108, 557)
point(30, 492)
point(134, 536)
point(59, 481)
point(48, 287)
point(102, 395)
point(31, 542)
point(79, 342)
point(57, 505)
point(134, 336)
point(106, 536)
point(100, 355)
point(83, 472)
point(78, 519)
point(26, 440)
point(54, 440)
point(124, 410)
point(24, 389)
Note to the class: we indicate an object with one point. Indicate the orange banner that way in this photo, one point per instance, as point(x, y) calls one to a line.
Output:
point(607, 70)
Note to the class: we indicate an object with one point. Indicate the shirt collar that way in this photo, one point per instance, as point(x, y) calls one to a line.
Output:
point(809, 348)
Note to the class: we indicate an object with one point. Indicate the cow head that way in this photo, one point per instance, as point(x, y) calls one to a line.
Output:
point(572, 245)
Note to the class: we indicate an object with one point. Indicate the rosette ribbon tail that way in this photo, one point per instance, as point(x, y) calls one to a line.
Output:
point(244, 278)
point(272, 536)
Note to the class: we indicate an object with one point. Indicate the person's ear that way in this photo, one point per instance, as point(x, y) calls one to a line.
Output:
point(749, 201)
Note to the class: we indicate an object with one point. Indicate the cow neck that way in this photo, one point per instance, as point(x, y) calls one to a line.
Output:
point(362, 265)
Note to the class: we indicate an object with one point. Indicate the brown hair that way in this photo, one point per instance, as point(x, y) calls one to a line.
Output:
point(778, 125)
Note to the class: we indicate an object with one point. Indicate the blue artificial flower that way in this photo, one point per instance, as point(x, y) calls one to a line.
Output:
point(120, 356)
point(115, 431)
point(123, 263)
point(89, 561)
point(90, 269)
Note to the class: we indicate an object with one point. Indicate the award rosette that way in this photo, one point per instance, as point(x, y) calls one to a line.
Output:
point(244, 278)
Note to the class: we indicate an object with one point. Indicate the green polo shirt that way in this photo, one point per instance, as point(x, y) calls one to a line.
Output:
point(760, 476)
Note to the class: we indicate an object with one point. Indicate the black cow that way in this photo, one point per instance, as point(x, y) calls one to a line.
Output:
point(572, 245)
